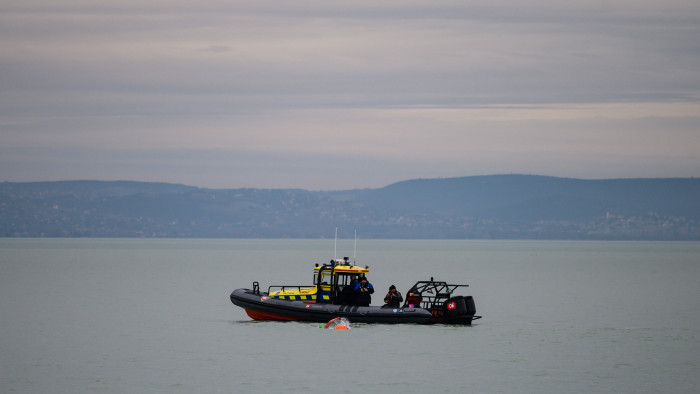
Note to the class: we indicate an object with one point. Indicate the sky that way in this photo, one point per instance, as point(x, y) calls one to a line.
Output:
point(334, 95)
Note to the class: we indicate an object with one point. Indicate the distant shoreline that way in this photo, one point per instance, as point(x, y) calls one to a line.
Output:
point(497, 207)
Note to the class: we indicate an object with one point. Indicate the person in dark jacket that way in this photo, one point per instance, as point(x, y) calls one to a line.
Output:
point(393, 298)
point(413, 298)
point(348, 294)
point(363, 292)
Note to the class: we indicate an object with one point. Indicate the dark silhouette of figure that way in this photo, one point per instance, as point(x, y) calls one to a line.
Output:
point(363, 292)
point(393, 298)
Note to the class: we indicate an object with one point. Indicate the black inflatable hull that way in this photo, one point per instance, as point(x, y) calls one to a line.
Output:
point(260, 307)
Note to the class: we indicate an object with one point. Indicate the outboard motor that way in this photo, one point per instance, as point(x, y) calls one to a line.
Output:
point(459, 309)
point(471, 308)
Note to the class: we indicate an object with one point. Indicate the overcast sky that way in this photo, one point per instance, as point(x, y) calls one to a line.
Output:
point(347, 94)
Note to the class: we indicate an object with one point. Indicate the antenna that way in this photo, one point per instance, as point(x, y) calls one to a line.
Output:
point(354, 257)
point(335, 245)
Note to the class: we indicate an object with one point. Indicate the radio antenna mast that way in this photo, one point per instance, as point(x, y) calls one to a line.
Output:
point(335, 245)
point(354, 258)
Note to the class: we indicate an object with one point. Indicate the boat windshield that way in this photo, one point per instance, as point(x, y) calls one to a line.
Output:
point(346, 279)
point(323, 278)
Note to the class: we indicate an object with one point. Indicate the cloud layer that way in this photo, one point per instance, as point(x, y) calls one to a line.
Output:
point(347, 94)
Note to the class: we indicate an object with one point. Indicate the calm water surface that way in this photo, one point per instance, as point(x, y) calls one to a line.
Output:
point(115, 315)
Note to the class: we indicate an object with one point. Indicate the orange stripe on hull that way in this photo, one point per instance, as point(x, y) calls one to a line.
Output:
point(257, 315)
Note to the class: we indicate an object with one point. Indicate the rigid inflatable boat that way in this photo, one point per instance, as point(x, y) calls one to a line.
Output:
point(331, 296)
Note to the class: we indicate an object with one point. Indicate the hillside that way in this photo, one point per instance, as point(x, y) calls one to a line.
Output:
point(482, 207)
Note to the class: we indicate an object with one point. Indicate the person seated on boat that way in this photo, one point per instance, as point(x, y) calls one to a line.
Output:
point(393, 298)
point(363, 292)
point(413, 298)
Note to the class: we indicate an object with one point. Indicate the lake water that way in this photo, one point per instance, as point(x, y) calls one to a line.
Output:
point(154, 316)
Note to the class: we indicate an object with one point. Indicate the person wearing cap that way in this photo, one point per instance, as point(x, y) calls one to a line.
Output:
point(363, 291)
point(393, 298)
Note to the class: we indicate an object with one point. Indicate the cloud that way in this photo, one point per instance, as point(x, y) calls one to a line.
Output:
point(409, 88)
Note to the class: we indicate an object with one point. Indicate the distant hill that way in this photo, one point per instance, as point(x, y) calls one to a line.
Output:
point(481, 207)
